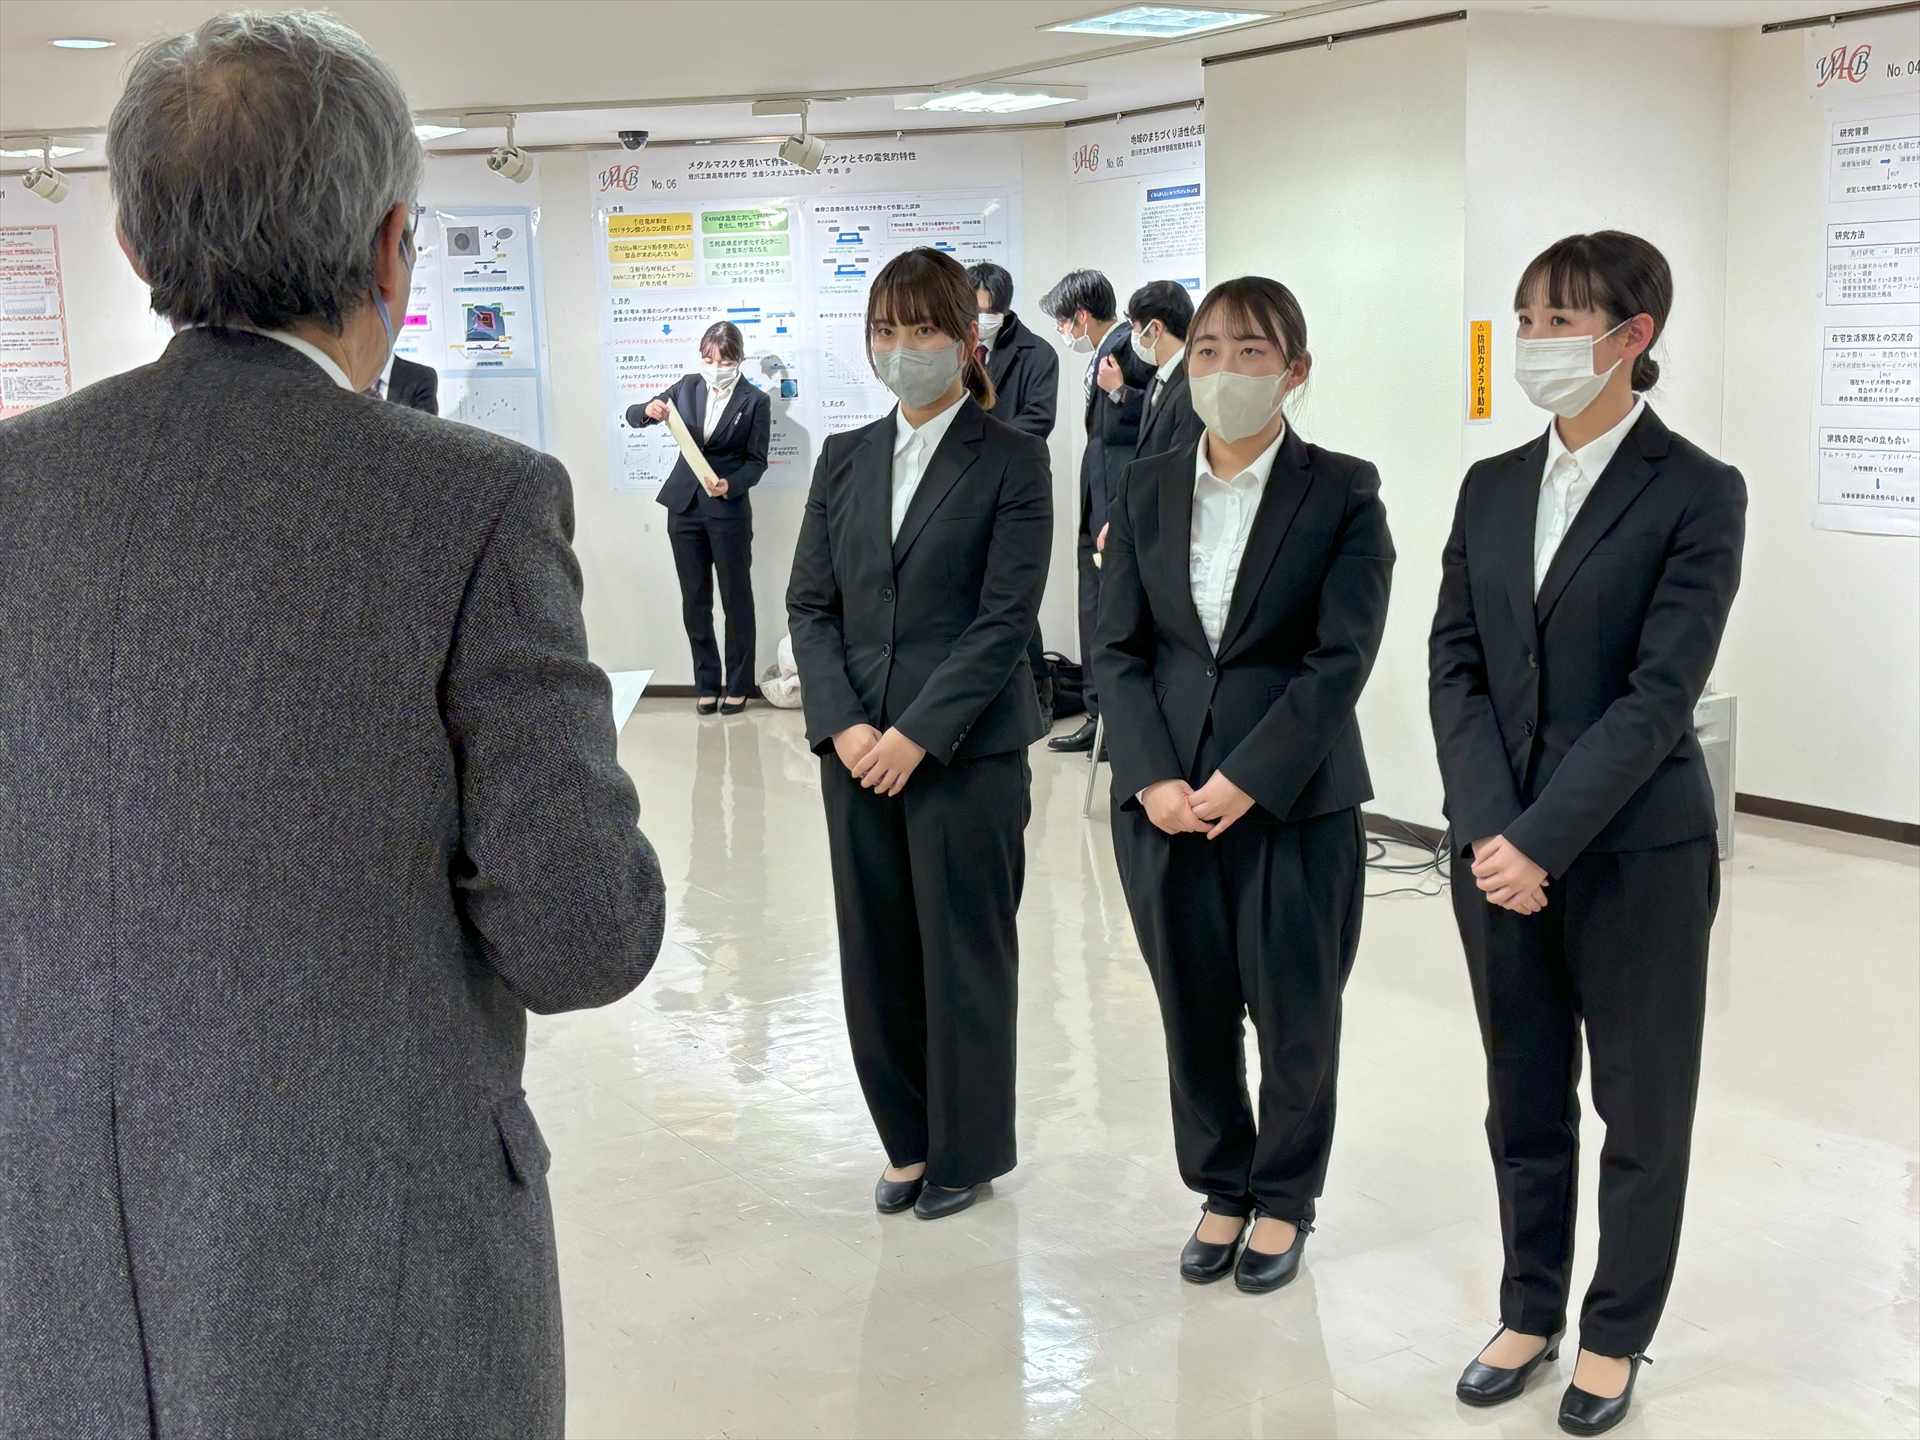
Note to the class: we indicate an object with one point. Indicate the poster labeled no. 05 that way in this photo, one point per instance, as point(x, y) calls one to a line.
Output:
point(690, 236)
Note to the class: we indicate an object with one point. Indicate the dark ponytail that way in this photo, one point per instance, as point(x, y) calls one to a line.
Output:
point(1618, 274)
point(930, 287)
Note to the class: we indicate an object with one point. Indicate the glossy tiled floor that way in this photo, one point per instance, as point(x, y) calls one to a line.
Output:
point(725, 1273)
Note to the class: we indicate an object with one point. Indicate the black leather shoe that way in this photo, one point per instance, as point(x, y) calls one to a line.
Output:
point(1483, 1384)
point(1584, 1414)
point(707, 704)
point(1203, 1262)
point(890, 1197)
point(733, 705)
point(1258, 1272)
point(937, 1201)
point(1077, 743)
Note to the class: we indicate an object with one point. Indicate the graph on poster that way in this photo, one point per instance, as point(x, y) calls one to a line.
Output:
point(786, 256)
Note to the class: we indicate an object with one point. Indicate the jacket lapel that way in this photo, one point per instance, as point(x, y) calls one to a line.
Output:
point(1163, 403)
point(692, 400)
point(1176, 546)
point(1519, 513)
point(1287, 488)
point(736, 397)
point(959, 448)
point(873, 490)
point(1619, 485)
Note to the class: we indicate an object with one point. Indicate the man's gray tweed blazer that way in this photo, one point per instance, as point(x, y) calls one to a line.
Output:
point(307, 796)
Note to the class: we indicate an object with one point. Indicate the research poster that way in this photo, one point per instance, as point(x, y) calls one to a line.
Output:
point(1163, 157)
point(34, 363)
point(1866, 420)
point(687, 236)
point(475, 316)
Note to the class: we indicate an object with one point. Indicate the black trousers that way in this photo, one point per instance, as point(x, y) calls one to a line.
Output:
point(1622, 947)
point(1089, 616)
point(702, 545)
point(1263, 921)
point(925, 889)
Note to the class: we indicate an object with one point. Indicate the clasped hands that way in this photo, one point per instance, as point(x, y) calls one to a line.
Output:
point(881, 763)
point(1177, 808)
point(1507, 877)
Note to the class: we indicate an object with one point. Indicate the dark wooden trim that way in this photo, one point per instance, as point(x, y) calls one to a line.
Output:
point(1899, 831)
point(1834, 17)
point(1326, 42)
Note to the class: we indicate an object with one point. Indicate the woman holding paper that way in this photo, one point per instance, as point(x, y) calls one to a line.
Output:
point(722, 427)
point(916, 583)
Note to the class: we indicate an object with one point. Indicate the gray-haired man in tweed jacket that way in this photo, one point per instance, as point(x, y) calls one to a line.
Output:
point(307, 796)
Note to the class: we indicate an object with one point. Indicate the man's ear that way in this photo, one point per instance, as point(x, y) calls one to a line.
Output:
point(127, 250)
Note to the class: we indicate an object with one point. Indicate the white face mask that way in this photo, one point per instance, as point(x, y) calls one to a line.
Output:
point(718, 377)
point(990, 323)
point(1144, 351)
point(917, 377)
point(1558, 374)
point(1234, 406)
point(1081, 344)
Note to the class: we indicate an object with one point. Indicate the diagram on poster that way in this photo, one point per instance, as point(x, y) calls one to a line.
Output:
point(1866, 419)
point(34, 363)
point(474, 316)
point(786, 256)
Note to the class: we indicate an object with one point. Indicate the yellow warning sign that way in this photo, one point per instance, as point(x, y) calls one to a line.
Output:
point(1479, 369)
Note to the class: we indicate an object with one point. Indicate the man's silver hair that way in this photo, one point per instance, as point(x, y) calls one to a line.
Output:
point(252, 163)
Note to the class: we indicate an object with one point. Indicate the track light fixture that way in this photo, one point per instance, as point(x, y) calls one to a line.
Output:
point(45, 181)
point(510, 160)
point(804, 150)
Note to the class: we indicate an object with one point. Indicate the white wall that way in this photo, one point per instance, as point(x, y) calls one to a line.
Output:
point(1342, 174)
point(1824, 647)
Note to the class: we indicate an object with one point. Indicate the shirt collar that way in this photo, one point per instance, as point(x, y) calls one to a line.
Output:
point(313, 352)
point(1167, 369)
point(934, 430)
point(1594, 456)
point(386, 373)
point(1260, 469)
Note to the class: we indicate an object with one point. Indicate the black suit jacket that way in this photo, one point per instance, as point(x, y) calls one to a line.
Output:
point(414, 385)
point(927, 632)
point(1308, 610)
point(1113, 427)
point(737, 449)
point(1026, 378)
point(1169, 422)
point(1566, 723)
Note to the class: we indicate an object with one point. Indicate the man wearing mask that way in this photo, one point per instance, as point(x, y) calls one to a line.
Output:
point(279, 894)
point(1082, 307)
point(1160, 312)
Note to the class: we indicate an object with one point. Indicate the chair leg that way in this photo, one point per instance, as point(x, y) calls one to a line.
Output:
point(1093, 763)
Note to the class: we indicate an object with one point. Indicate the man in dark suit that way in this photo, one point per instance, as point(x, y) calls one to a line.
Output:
point(1082, 307)
point(406, 383)
point(1160, 312)
point(279, 894)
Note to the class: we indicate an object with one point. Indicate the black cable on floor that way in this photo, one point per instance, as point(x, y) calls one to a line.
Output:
point(1428, 866)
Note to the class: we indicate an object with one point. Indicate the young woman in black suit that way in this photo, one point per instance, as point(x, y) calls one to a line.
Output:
point(1244, 595)
point(1583, 595)
point(916, 584)
point(729, 418)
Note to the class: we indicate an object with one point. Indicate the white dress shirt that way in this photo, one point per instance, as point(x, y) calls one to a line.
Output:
point(1223, 512)
point(378, 390)
point(716, 402)
point(1565, 482)
point(1159, 381)
point(912, 451)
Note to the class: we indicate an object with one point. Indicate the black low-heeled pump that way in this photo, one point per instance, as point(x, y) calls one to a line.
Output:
point(707, 704)
point(936, 1202)
point(890, 1197)
point(1584, 1413)
point(1483, 1384)
point(1260, 1271)
point(1203, 1262)
point(733, 705)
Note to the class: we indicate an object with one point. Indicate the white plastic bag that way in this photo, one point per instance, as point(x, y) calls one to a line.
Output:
point(780, 681)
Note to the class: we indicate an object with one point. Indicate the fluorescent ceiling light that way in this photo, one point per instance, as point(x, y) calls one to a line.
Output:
point(437, 132)
point(1159, 22)
point(993, 99)
point(39, 150)
point(80, 42)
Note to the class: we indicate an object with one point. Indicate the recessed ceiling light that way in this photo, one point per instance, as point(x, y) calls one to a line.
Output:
point(81, 42)
point(39, 150)
point(438, 132)
point(993, 99)
point(1159, 22)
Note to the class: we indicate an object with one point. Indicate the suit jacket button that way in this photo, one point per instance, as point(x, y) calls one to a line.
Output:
point(886, 650)
point(888, 596)
point(1209, 672)
point(1529, 727)
point(1533, 661)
